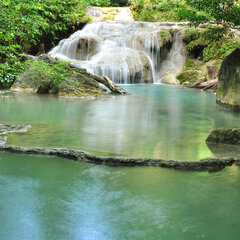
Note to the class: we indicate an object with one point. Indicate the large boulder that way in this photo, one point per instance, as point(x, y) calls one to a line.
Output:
point(228, 92)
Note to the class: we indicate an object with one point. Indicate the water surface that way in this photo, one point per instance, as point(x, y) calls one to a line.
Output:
point(58, 199)
point(155, 121)
point(52, 198)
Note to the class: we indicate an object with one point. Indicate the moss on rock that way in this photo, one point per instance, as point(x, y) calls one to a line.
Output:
point(188, 77)
point(225, 135)
point(228, 93)
point(58, 78)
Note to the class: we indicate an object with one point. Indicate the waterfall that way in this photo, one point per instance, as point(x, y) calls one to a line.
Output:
point(126, 52)
point(174, 63)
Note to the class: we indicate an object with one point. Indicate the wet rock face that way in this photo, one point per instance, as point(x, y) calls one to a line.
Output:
point(228, 92)
point(225, 135)
point(86, 47)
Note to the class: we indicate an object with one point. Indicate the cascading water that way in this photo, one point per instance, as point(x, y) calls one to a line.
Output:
point(126, 52)
point(174, 63)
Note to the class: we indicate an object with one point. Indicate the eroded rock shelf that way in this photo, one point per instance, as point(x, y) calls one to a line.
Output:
point(210, 164)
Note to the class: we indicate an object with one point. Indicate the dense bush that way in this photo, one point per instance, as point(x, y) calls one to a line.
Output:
point(158, 10)
point(51, 74)
point(210, 43)
point(25, 24)
point(224, 12)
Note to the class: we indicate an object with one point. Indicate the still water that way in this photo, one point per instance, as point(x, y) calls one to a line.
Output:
point(155, 121)
point(49, 198)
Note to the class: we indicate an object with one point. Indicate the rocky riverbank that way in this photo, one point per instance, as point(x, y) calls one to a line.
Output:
point(204, 57)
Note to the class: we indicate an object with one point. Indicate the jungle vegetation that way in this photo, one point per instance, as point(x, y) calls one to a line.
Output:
point(33, 26)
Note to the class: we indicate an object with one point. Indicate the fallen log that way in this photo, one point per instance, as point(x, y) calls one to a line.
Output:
point(210, 84)
point(109, 84)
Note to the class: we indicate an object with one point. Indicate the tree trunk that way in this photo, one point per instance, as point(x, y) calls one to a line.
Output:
point(109, 84)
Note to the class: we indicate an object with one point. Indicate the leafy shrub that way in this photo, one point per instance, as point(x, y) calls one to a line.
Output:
point(191, 34)
point(219, 49)
point(41, 73)
point(157, 10)
point(27, 23)
point(214, 33)
point(212, 43)
point(189, 63)
point(164, 34)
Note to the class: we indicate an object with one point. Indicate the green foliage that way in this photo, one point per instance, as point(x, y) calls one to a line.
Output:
point(48, 74)
point(158, 10)
point(219, 49)
point(224, 12)
point(99, 3)
point(189, 63)
point(164, 34)
point(191, 34)
point(189, 76)
point(27, 23)
point(210, 43)
point(106, 3)
point(214, 33)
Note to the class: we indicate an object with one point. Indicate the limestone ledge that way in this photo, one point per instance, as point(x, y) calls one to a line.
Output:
point(210, 164)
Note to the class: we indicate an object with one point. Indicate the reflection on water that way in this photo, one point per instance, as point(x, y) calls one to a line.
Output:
point(223, 150)
point(52, 198)
point(155, 121)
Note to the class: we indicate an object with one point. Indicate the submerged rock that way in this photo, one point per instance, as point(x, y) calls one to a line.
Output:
point(225, 135)
point(228, 92)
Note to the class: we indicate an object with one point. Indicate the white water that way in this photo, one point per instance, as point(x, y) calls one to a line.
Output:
point(174, 63)
point(126, 52)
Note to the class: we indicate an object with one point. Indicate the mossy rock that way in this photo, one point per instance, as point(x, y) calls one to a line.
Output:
point(189, 76)
point(228, 92)
point(60, 78)
point(225, 135)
